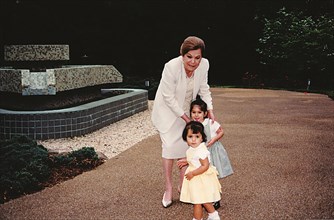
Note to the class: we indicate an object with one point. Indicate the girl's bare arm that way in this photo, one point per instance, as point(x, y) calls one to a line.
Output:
point(220, 134)
point(204, 167)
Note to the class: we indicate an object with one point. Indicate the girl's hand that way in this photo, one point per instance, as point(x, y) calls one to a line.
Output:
point(181, 163)
point(189, 175)
point(204, 167)
point(210, 143)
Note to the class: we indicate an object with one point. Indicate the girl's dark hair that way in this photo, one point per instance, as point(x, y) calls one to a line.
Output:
point(198, 101)
point(196, 127)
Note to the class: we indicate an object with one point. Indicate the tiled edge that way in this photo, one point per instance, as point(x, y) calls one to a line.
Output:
point(71, 122)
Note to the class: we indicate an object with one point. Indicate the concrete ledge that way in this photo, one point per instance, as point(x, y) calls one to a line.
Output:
point(56, 80)
point(75, 121)
point(36, 52)
point(73, 77)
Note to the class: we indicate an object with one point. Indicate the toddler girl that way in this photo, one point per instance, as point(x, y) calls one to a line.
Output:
point(200, 186)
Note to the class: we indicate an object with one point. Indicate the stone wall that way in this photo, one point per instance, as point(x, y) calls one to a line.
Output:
point(36, 52)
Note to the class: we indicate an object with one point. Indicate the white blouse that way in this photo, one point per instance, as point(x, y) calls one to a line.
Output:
point(213, 127)
point(200, 152)
point(189, 95)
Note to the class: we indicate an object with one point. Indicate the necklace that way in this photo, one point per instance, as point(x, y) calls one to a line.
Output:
point(190, 75)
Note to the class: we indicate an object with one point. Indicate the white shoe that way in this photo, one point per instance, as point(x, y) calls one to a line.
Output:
point(213, 216)
point(165, 203)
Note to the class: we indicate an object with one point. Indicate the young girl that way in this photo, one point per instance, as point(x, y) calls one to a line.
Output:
point(213, 131)
point(200, 186)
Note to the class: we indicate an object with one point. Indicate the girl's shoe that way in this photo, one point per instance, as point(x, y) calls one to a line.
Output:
point(216, 205)
point(213, 216)
point(165, 203)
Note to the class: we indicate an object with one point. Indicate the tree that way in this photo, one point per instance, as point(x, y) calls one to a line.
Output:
point(296, 48)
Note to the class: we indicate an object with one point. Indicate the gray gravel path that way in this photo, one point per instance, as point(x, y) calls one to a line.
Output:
point(281, 147)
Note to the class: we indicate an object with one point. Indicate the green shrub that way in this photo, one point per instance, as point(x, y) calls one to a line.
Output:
point(330, 94)
point(26, 167)
point(23, 165)
point(295, 48)
point(85, 158)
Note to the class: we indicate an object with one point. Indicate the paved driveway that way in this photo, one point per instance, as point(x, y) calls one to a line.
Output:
point(281, 147)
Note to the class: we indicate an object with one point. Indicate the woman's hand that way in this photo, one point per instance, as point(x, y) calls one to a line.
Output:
point(181, 163)
point(185, 118)
point(211, 115)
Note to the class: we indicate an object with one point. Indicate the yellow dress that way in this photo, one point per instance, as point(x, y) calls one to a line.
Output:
point(203, 188)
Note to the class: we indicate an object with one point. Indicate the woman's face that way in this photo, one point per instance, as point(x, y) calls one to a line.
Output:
point(193, 140)
point(191, 60)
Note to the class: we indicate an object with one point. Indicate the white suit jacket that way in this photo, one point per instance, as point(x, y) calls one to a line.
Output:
point(169, 98)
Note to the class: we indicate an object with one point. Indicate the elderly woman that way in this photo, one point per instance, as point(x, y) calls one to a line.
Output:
point(183, 78)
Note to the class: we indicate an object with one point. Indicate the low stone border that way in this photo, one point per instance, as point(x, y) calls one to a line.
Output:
point(75, 121)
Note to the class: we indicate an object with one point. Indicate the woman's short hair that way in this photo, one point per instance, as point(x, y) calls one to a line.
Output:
point(192, 43)
point(196, 127)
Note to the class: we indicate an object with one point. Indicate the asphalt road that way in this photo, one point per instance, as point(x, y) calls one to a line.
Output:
point(281, 147)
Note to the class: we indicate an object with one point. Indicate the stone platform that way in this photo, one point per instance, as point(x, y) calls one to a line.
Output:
point(56, 80)
point(51, 77)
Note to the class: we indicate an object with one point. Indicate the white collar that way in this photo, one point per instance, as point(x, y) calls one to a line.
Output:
point(206, 121)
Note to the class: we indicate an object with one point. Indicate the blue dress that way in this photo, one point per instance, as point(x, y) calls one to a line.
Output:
point(218, 154)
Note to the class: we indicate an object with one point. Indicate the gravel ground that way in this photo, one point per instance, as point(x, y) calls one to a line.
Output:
point(280, 144)
point(110, 140)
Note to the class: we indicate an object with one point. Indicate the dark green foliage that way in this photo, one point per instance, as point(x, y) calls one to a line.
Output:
point(331, 94)
point(297, 47)
point(61, 160)
point(23, 165)
point(26, 167)
point(84, 158)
